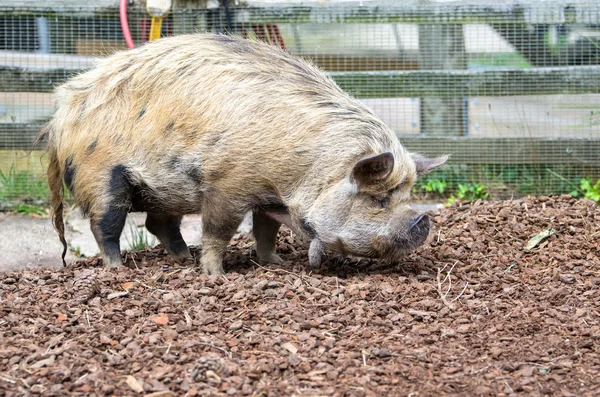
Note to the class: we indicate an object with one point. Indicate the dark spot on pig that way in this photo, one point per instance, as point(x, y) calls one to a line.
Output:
point(69, 173)
point(142, 113)
point(308, 228)
point(119, 184)
point(195, 174)
point(174, 163)
point(170, 126)
point(128, 195)
point(92, 147)
point(143, 199)
point(190, 170)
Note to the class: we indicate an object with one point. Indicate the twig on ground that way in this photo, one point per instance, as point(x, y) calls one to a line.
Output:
point(225, 352)
point(151, 287)
point(444, 295)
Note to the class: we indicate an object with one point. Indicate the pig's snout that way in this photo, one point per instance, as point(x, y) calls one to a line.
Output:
point(410, 234)
point(420, 228)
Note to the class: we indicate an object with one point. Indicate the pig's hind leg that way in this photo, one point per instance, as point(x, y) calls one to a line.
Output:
point(108, 224)
point(265, 231)
point(167, 229)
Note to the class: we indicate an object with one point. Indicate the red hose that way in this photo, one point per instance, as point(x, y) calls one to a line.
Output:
point(124, 24)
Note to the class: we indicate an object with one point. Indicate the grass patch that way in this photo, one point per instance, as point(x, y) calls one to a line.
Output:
point(29, 209)
point(140, 238)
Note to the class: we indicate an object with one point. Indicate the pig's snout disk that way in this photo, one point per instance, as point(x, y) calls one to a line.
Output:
point(421, 222)
point(419, 229)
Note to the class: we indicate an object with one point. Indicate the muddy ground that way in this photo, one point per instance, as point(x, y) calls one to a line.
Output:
point(470, 313)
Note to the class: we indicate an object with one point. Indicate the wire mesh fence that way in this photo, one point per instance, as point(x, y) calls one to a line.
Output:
point(511, 91)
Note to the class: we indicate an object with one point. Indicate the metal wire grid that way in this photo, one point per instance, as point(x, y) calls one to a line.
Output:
point(509, 96)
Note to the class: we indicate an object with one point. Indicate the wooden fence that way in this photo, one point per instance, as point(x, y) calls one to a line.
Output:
point(545, 80)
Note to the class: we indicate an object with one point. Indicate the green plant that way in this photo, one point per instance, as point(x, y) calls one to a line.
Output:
point(469, 192)
point(431, 185)
point(28, 209)
point(140, 238)
point(588, 190)
point(586, 187)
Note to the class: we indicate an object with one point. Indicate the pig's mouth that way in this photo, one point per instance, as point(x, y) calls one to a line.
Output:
point(400, 248)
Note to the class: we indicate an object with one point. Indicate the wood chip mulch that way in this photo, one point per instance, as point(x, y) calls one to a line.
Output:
point(471, 313)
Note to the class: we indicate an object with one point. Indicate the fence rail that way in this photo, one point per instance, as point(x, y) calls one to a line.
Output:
point(389, 84)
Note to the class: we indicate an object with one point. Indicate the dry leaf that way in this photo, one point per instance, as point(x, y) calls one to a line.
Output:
point(161, 319)
point(127, 286)
point(62, 317)
point(290, 347)
point(538, 238)
point(135, 385)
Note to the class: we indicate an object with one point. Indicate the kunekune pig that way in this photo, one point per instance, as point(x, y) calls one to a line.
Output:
point(220, 126)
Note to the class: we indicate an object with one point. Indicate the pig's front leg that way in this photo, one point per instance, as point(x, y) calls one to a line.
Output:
point(213, 250)
point(218, 227)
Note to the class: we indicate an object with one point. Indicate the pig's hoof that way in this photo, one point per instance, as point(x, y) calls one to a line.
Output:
point(271, 258)
point(182, 259)
point(181, 254)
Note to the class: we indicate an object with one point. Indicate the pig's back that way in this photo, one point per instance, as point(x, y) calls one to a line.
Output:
point(223, 104)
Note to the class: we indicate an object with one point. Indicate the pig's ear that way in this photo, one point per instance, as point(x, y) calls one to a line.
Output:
point(425, 165)
point(373, 169)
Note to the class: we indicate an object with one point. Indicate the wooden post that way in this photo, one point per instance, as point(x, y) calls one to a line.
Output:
point(188, 23)
point(442, 47)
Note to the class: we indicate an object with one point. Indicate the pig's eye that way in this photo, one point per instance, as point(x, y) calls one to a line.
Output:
point(380, 201)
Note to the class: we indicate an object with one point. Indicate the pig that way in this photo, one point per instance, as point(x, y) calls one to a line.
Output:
point(220, 126)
